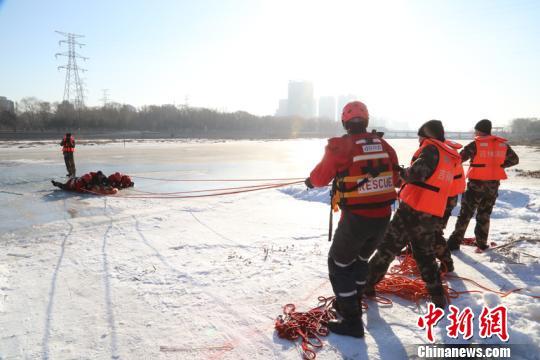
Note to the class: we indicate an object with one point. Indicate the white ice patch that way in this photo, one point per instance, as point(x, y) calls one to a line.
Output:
point(3, 285)
point(512, 204)
point(491, 300)
point(301, 193)
point(515, 204)
point(534, 312)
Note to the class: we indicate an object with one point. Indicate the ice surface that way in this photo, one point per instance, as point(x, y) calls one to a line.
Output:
point(108, 277)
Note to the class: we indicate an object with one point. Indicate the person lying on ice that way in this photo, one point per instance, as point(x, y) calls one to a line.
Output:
point(423, 198)
point(363, 168)
point(120, 181)
point(93, 182)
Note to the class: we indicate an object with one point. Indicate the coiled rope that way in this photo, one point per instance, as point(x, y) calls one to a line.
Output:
point(402, 280)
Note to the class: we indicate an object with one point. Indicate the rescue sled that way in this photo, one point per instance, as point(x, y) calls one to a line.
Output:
point(96, 183)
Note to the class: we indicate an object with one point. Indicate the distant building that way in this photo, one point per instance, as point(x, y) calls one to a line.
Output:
point(6, 105)
point(327, 107)
point(283, 108)
point(342, 101)
point(301, 101)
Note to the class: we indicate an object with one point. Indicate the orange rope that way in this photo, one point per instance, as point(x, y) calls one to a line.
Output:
point(216, 180)
point(204, 190)
point(240, 190)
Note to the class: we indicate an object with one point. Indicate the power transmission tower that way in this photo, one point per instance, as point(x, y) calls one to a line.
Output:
point(73, 87)
point(105, 97)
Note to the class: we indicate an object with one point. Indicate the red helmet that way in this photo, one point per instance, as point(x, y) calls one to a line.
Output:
point(115, 178)
point(354, 110)
point(126, 181)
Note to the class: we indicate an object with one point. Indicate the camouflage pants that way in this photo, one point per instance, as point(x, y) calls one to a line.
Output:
point(441, 249)
point(408, 225)
point(70, 163)
point(480, 197)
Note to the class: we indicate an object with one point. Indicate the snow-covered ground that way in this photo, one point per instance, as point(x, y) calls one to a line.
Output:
point(104, 277)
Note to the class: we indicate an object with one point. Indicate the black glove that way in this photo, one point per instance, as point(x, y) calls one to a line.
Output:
point(308, 183)
point(400, 169)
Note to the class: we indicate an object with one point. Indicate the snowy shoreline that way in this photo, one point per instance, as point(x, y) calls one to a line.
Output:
point(105, 277)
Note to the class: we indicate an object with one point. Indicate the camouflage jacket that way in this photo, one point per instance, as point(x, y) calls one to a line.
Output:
point(423, 167)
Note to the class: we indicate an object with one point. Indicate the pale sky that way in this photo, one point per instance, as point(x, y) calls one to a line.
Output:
point(409, 61)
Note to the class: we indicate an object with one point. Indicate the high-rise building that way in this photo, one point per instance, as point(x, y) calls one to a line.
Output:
point(327, 108)
point(282, 109)
point(301, 101)
point(6, 105)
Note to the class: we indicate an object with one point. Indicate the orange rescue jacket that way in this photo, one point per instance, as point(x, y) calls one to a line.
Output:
point(368, 182)
point(431, 195)
point(458, 185)
point(490, 155)
point(68, 146)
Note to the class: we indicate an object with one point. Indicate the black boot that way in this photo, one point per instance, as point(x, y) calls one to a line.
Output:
point(453, 244)
point(439, 301)
point(351, 323)
point(481, 246)
point(437, 296)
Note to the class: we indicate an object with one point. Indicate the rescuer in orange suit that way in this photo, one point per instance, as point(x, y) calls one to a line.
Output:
point(93, 182)
point(489, 156)
point(120, 181)
point(363, 169)
point(423, 199)
point(68, 148)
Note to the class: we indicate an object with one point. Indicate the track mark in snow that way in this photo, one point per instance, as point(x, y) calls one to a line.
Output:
point(211, 229)
point(228, 309)
point(107, 286)
point(52, 292)
point(227, 347)
point(19, 255)
point(309, 237)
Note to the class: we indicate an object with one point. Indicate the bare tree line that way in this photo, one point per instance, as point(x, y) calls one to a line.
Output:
point(35, 115)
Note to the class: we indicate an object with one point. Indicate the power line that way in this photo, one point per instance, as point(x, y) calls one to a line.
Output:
point(73, 87)
point(105, 98)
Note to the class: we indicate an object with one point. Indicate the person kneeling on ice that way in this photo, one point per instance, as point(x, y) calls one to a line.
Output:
point(362, 166)
point(423, 198)
point(120, 181)
point(489, 156)
point(93, 182)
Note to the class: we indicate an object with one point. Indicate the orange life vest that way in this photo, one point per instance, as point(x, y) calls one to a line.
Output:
point(368, 182)
point(458, 185)
point(490, 155)
point(431, 195)
point(68, 147)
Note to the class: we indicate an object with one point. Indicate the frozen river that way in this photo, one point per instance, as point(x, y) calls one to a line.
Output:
point(92, 277)
point(26, 169)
